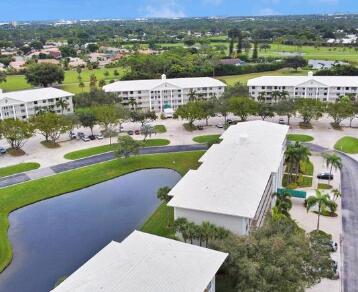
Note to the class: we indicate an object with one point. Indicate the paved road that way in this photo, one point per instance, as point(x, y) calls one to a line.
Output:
point(349, 186)
point(42, 172)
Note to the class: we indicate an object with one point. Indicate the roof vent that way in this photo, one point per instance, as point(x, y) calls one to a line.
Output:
point(164, 77)
point(310, 74)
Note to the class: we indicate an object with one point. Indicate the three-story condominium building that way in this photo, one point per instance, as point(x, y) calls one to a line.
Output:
point(234, 186)
point(159, 94)
point(26, 103)
point(324, 88)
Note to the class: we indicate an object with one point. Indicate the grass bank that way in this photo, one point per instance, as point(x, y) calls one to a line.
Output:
point(107, 148)
point(210, 139)
point(18, 168)
point(299, 138)
point(347, 144)
point(18, 196)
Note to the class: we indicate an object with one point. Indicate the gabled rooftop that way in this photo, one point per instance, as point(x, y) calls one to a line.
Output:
point(146, 263)
point(234, 173)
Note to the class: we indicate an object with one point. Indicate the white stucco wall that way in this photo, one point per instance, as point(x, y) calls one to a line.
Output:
point(237, 225)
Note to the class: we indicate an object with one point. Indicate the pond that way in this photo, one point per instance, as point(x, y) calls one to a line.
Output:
point(53, 238)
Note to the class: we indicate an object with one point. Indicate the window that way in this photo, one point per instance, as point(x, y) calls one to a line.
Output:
point(131, 92)
point(44, 101)
point(35, 102)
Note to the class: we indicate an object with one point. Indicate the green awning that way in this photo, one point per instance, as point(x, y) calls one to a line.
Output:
point(293, 193)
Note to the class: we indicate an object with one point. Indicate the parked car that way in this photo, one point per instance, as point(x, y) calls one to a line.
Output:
point(281, 121)
point(72, 135)
point(334, 246)
point(220, 126)
point(229, 121)
point(2, 150)
point(85, 139)
point(200, 128)
point(80, 135)
point(99, 137)
point(92, 137)
point(130, 133)
point(325, 175)
point(137, 132)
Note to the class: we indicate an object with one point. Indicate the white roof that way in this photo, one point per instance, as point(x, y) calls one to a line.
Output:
point(146, 263)
point(35, 94)
point(333, 81)
point(134, 85)
point(234, 173)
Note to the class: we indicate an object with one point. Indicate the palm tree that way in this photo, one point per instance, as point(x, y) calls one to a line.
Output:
point(81, 85)
point(276, 95)
point(332, 161)
point(336, 194)
point(262, 96)
point(180, 226)
point(192, 95)
point(208, 231)
point(283, 203)
point(93, 81)
point(284, 95)
point(322, 201)
point(294, 155)
point(63, 104)
point(132, 102)
point(162, 195)
point(191, 230)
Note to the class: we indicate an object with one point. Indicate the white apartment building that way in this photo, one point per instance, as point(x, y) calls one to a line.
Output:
point(26, 103)
point(159, 94)
point(324, 88)
point(234, 186)
point(147, 263)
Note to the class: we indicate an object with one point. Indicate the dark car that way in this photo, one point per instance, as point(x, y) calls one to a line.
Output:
point(2, 150)
point(130, 133)
point(80, 135)
point(229, 121)
point(92, 137)
point(325, 175)
point(281, 121)
point(200, 128)
point(137, 132)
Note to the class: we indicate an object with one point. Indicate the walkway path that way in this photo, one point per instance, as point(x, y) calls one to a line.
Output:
point(47, 171)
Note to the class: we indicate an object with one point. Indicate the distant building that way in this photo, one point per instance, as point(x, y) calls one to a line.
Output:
point(147, 263)
point(235, 184)
point(26, 103)
point(235, 62)
point(76, 63)
point(2, 67)
point(48, 61)
point(323, 64)
point(17, 65)
point(324, 88)
point(158, 94)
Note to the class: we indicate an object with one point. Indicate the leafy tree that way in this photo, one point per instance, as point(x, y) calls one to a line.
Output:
point(162, 195)
point(44, 74)
point(126, 146)
point(243, 107)
point(208, 107)
point(191, 112)
point(294, 155)
point(285, 108)
point(222, 107)
point(87, 119)
point(92, 48)
point(322, 201)
point(255, 53)
point(332, 161)
point(102, 83)
point(143, 116)
point(340, 110)
point(67, 51)
point(16, 132)
point(2, 77)
point(93, 98)
point(265, 110)
point(122, 114)
point(296, 62)
point(309, 109)
point(284, 204)
point(51, 125)
point(275, 257)
point(189, 42)
point(336, 194)
point(237, 89)
point(106, 116)
point(147, 130)
point(93, 81)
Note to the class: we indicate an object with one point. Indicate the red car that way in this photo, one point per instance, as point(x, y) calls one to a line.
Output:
point(137, 132)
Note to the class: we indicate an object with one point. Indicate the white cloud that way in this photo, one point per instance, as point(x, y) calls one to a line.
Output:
point(267, 12)
point(328, 1)
point(212, 2)
point(164, 9)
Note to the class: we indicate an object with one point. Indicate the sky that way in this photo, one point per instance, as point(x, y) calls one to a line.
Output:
point(129, 9)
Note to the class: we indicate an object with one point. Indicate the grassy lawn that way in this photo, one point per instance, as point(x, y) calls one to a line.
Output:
point(310, 52)
point(306, 168)
point(324, 186)
point(210, 139)
point(299, 138)
point(156, 223)
point(160, 128)
point(347, 144)
point(18, 82)
point(18, 168)
point(18, 196)
point(107, 148)
point(232, 79)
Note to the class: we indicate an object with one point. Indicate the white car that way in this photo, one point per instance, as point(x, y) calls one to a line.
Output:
point(220, 126)
point(99, 137)
point(85, 139)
